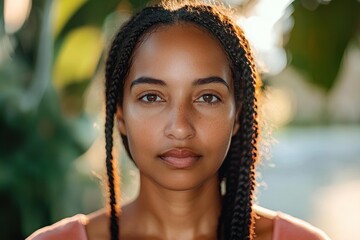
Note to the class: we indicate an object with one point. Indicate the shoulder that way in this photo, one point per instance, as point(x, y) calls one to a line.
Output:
point(288, 227)
point(98, 225)
point(68, 228)
point(280, 226)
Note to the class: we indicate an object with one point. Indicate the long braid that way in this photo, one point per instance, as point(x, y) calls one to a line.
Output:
point(236, 220)
point(111, 172)
point(241, 221)
point(249, 138)
point(117, 65)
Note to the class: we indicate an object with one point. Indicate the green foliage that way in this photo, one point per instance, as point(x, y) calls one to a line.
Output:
point(37, 148)
point(92, 13)
point(80, 37)
point(38, 141)
point(138, 4)
point(37, 144)
point(320, 37)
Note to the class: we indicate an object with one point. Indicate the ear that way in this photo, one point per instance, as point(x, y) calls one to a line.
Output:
point(236, 122)
point(120, 121)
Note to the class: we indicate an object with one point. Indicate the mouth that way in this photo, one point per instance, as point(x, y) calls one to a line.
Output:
point(180, 158)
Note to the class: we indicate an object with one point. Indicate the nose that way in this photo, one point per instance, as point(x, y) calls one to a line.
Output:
point(180, 123)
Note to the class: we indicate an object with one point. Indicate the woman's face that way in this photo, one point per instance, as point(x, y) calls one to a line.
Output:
point(178, 110)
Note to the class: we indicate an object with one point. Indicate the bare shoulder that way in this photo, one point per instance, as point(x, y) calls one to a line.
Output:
point(97, 225)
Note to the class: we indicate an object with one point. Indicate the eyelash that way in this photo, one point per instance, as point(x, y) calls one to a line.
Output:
point(142, 98)
point(217, 99)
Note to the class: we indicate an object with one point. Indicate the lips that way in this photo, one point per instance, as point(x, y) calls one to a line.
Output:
point(180, 158)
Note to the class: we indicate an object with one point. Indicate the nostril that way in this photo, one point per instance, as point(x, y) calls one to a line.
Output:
point(180, 127)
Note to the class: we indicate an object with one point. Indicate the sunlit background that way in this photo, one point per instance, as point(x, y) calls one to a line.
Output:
point(51, 109)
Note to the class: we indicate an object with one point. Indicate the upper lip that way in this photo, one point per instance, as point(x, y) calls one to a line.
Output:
point(179, 153)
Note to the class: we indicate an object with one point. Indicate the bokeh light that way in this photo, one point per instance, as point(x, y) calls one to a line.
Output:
point(15, 14)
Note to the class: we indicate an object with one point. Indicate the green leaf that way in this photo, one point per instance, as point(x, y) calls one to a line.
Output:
point(92, 12)
point(320, 37)
point(138, 4)
point(78, 56)
point(64, 9)
point(2, 28)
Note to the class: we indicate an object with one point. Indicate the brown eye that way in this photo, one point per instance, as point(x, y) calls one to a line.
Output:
point(209, 98)
point(150, 98)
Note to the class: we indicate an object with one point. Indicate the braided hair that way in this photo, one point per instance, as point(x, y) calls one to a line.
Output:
point(238, 169)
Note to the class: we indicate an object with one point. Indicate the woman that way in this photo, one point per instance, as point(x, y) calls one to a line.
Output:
point(182, 86)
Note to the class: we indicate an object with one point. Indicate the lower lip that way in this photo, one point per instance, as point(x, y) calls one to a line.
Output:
point(180, 163)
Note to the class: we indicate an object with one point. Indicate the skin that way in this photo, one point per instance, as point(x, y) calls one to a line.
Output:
point(178, 95)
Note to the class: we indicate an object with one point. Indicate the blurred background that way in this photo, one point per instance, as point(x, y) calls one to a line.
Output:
point(51, 109)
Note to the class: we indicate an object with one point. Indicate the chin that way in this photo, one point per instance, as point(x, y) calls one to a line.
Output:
point(185, 182)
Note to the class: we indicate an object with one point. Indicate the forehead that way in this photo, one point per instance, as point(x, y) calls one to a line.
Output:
point(181, 48)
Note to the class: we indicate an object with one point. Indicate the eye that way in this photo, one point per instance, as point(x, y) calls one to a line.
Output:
point(209, 98)
point(150, 98)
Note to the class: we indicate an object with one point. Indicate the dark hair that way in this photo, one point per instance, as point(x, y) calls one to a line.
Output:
point(238, 170)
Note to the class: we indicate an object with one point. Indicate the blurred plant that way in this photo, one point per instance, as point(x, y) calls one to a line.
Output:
point(40, 135)
point(323, 30)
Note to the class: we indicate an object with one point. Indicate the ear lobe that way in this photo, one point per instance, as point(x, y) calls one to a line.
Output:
point(236, 127)
point(120, 121)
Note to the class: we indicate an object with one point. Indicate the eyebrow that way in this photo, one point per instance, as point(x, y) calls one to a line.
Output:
point(208, 80)
point(197, 82)
point(146, 80)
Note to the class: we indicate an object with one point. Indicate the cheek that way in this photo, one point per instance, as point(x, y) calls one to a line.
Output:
point(141, 128)
point(216, 133)
point(218, 124)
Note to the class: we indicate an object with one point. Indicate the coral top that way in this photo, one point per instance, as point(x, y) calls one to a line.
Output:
point(285, 228)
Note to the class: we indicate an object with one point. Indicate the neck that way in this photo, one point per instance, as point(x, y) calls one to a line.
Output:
point(184, 214)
